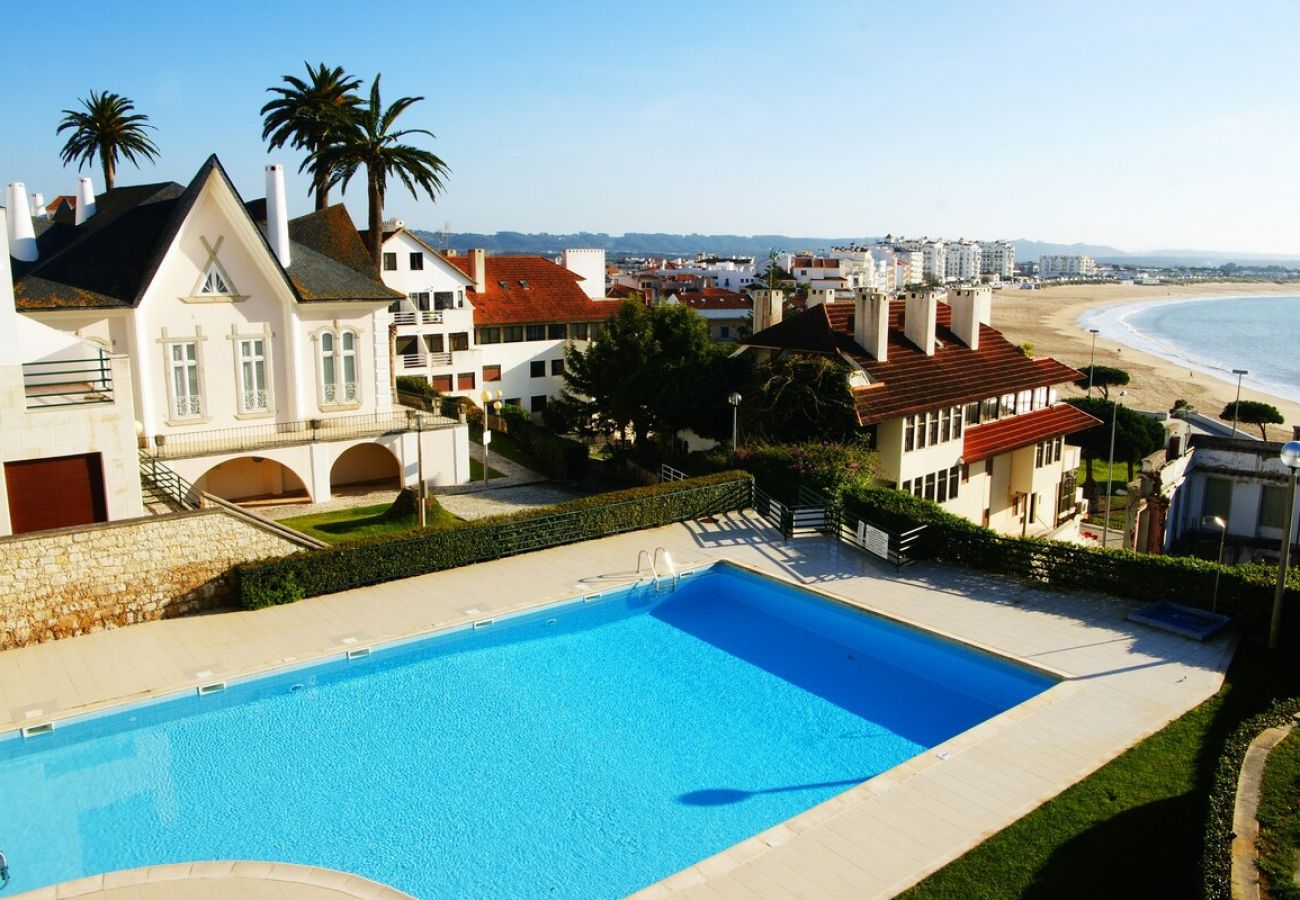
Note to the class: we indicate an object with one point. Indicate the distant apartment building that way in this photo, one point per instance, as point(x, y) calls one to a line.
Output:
point(934, 257)
point(963, 261)
point(998, 258)
point(1066, 266)
point(728, 313)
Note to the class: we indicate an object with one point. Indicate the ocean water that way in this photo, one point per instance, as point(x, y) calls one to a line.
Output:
point(1213, 336)
point(581, 751)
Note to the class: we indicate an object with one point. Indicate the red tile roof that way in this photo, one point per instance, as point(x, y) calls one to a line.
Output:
point(715, 299)
point(909, 381)
point(619, 291)
point(552, 293)
point(982, 441)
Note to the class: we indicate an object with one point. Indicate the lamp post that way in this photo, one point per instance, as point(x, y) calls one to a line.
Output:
point(734, 400)
point(1236, 411)
point(1222, 526)
point(1110, 464)
point(1291, 459)
point(1092, 358)
point(490, 405)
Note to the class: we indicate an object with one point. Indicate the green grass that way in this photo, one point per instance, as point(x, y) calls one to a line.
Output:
point(343, 525)
point(1118, 475)
point(476, 468)
point(1279, 819)
point(1135, 827)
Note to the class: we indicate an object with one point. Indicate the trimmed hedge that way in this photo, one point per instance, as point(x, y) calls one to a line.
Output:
point(1216, 864)
point(1245, 592)
point(557, 457)
point(317, 572)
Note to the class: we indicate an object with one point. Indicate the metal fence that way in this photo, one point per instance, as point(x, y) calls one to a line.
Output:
point(68, 382)
point(279, 434)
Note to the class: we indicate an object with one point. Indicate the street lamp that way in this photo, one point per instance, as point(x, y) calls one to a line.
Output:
point(1291, 459)
point(1092, 358)
point(1110, 464)
point(413, 417)
point(1236, 410)
point(490, 405)
point(1222, 526)
point(734, 400)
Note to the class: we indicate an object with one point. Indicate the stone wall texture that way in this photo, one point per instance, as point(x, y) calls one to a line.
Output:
point(57, 584)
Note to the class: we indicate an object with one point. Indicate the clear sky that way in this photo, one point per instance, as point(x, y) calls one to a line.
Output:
point(1138, 124)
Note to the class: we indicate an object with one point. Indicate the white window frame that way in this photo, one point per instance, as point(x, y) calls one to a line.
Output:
point(197, 407)
point(339, 394)
point(243, 410)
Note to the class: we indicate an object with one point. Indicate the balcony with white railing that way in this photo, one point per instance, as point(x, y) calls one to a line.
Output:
point(407, 318)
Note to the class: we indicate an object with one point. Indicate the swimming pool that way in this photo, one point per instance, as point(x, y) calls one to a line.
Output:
point(585, 749)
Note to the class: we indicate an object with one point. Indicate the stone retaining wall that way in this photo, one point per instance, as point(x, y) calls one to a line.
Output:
point(71, 581)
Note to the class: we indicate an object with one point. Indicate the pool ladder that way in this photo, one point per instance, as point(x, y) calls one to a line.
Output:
point(651, 561)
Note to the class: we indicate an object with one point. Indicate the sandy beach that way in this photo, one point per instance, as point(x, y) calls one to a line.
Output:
point(1049, 318)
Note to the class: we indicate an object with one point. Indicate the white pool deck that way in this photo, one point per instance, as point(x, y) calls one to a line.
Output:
point(1122, 682)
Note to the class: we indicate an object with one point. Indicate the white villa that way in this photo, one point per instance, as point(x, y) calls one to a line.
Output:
point(257, 364)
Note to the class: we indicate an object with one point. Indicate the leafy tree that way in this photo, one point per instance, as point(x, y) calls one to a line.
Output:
point(801, 399)
point(1182, 409)
point(308, 115)
point(1136, 435)
point(1253, 412)
point(1103, 377)
point(369, 141)
point(107, 128)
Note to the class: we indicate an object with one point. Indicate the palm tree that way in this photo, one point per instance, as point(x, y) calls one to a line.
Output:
point(369, 141)
point(106, 128)
point(308, 114)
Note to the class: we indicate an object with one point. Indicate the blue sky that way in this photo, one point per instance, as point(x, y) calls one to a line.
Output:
point(1142, 125)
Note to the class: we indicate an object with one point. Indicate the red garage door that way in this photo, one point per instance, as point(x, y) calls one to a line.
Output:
point(55, 493)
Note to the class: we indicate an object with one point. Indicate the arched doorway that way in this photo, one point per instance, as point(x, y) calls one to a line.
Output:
point(248, 478)
point(366, 467)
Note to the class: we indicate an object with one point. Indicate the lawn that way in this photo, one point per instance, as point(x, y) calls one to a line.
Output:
point(502, 444)
point(476, 467)
point(1279, 819)
point(1134, 828)
point(343, 525)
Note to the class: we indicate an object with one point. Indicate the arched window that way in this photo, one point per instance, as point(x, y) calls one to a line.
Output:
point(338, 368)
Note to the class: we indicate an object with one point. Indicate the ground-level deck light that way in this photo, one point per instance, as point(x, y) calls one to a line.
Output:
point(1291, 459)
point(734, 399)
point(1218, 523)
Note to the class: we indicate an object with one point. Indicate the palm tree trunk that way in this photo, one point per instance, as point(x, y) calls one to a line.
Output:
point(321, 187)
point(376, 220)
point(110, 170)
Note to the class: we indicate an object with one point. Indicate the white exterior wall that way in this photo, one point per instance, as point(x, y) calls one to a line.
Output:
point(590, 265)
point(515, 360)
point(998, 258)
point(1059, 266)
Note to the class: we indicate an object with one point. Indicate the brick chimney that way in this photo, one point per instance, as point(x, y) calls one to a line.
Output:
point(768, 307)
point(20, 231)
point(971, 307)
point(85, 199)
point(918, 325)
point(871, 323)
point(478, 269)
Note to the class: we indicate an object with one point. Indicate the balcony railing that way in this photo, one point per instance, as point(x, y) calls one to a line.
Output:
point(421, 317)
point(280, 434)
point(68, 382)
point(420, 360)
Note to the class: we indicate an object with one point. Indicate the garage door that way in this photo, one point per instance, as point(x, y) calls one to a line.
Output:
point(55, 493)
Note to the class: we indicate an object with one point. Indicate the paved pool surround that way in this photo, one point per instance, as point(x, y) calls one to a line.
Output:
point(1121, 681)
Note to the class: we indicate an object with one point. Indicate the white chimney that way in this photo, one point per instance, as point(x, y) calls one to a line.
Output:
point(478, 269)
point(85, 199)
point(20, 232)
point(768, 307)
point(971, 307)
point(38, 206)
point(277, 215)
point(871, 323)
point(10, 352)
point(919, 315)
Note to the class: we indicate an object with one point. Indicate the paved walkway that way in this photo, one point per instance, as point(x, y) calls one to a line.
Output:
point(1121, 682)
point(221, 881)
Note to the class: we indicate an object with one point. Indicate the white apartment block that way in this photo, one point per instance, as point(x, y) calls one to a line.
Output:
point(998, 258)
point(1066, 266)
point(962, 261)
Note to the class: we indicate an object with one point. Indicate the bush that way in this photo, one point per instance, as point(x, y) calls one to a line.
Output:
point(363, 563)
point(557, 457)
point(414, 384)
point(780, 469)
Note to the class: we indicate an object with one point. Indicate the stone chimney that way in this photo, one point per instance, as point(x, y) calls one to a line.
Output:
point(20, 231)
point(478, 269)
point(871, 323)
point(768, 307)
point(919, 315)
point(85, 199)
point(971, 307)
point(38, 206)
point(819, 296)
point(277, 215)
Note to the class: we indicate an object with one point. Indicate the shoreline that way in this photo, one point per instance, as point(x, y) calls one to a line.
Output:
point(1049, 317)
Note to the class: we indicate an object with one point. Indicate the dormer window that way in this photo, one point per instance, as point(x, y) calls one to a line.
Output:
point(523, 284)
point(505, 285)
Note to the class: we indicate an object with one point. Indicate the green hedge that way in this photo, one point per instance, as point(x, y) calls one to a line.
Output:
point(363, 563)
point(1216, 864)
point(557, 457)
point(1245, 592)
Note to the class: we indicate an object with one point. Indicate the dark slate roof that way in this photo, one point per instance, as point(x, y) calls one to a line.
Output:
point(330, 232)
point(909, 381)
point(110, 260)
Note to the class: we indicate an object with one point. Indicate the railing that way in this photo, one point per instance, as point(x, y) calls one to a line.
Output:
point(892, 546)
point(668, 473)
point(174, 489)
point(258, 437)
point(439, 359)
point(414, 360)
point(422, 317)
point(68, 382)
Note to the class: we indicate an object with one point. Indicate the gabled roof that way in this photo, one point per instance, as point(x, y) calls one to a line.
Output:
point(110, 260)
point(523, 289)
point(991, 438)
point(909, 381)
point(330, 232)
point(715, 299)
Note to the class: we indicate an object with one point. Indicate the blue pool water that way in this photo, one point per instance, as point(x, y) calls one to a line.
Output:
point(586, 750)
